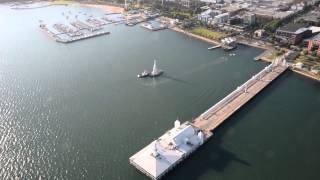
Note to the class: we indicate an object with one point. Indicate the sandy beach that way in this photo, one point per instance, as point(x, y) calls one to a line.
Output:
point(109, 8)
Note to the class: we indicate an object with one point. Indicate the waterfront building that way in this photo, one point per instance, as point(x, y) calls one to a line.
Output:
point(208, 15)
point(235, 20)
point(314, 43)
point(259, 33)
point(249, 19)
point(161, 155)
point(221, 18)
point(188, 3)
point(293, 33)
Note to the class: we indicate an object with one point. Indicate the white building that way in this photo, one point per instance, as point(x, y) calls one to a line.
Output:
point(259, 33)
point(221, 18)
point(208, 15)
point(156, 159)
point(249, 19)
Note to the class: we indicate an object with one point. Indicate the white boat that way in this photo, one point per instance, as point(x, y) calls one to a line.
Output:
point(145, 73)
point(155, 71)
point(229, 43)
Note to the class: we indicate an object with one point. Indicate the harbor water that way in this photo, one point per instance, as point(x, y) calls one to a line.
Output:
point(78, 111)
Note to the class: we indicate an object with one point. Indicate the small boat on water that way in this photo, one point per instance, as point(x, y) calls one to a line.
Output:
point(228, 44)
point(154, 73)
point(144, 74)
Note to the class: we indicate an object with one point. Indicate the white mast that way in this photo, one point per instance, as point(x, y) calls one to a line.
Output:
point(155, 69)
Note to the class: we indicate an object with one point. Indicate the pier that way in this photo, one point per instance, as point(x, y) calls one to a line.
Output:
point(214, 47)
point(222, 110)
point(78, 38)
point(166, 152)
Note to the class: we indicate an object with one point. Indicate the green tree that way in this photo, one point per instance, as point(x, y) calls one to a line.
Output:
point(272, 26)
point(314, 53)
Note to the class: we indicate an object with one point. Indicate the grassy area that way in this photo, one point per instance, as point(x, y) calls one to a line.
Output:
point(275, 54)
point(204, 32)
point(180, 15)
point(272, 25)
point(308, 61)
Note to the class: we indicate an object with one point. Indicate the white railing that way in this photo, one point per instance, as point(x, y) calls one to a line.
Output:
point(240, 90)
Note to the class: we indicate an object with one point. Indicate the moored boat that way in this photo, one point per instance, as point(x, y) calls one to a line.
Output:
point(228, 44)
point(144, 74)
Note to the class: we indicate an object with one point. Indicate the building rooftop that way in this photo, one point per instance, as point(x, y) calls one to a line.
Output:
point(292, 27)
point(161, 155)
point(314, 29)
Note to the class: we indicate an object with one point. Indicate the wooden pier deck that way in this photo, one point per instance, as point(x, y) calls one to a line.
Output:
point(215, 116)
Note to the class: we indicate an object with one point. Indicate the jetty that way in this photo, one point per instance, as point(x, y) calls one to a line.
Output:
point(214, 47)
point(82, 37)
point(153, 27)
point(164, 153)
point(221, 111)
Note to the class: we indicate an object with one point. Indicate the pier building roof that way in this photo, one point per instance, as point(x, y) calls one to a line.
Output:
point(158, 157)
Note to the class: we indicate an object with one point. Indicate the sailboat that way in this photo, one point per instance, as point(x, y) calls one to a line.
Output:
point(155, 71)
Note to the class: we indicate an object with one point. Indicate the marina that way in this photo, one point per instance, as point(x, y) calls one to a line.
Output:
point(79, 26)
point(136, 17)
point(82, 37)
point(163, 154)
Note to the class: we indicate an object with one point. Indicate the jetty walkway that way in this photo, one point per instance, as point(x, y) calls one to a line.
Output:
point(221, 111)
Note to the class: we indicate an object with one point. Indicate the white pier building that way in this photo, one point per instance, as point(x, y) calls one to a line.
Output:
point(160, 156)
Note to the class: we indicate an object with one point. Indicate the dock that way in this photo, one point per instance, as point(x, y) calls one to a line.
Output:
point(151, 27)
point(262, 55)
point(214, 47)
point(166, 152)
point(221, 111)
point(82, 37)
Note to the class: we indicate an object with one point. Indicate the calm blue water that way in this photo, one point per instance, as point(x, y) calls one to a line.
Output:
point(77, 111)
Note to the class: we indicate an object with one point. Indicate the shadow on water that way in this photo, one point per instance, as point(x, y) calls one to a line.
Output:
point(176, 79)
point(152, 82)
point(213, 156)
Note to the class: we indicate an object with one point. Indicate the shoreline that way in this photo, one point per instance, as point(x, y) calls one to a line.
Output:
point(243, 42)
point(305, 74)
point(179, 30)
point(213, 42)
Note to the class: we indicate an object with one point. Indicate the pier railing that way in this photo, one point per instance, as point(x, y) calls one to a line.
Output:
point(240, 90)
